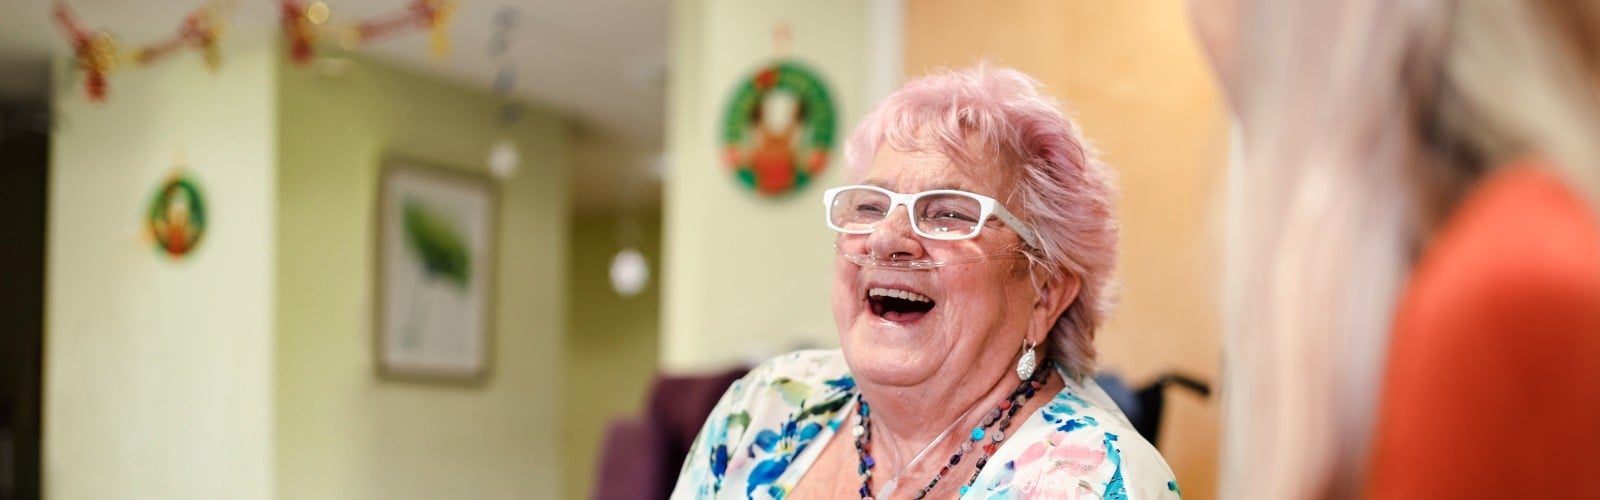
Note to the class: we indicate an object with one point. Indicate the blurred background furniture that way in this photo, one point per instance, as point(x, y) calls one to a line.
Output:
point(1145, 406)
point(641, 455)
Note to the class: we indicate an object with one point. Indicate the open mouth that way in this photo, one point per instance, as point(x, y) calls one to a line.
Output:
point(898, 305)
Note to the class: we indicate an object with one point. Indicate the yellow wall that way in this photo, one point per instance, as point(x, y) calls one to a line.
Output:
point(747, 277)
point(612, 342)
point(344, 434)
point(1136, 80)
point(158, 374)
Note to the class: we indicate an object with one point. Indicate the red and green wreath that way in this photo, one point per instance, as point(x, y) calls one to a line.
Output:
point(176, 216)
point(779, 128)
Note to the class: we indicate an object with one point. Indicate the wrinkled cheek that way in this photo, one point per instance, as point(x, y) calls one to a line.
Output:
point(845, 304)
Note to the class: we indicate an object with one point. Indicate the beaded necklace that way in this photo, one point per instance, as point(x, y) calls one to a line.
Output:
point(999, 418)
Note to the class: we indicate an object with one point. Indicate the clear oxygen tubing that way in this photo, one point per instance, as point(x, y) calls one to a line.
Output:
point(865, 260)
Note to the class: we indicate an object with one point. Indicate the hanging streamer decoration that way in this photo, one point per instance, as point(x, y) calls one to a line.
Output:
point(504, 158)
point(200, 30)
point(305, 24)
point(97, 53)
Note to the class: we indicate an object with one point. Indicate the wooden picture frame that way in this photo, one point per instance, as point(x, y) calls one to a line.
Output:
point(433, 274)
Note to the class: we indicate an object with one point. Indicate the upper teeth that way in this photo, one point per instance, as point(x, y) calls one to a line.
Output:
point(899, 294)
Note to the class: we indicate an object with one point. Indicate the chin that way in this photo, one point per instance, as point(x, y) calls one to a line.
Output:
point(882, 354)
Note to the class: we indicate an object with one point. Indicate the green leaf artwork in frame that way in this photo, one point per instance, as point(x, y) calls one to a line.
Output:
point(438, 243)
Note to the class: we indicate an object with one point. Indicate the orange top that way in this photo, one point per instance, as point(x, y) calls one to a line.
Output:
point(1493, 382)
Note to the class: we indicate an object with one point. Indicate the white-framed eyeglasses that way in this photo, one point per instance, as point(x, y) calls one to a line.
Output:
point(941, 214)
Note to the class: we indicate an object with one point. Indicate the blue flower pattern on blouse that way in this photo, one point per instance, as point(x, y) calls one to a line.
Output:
point(770, 426)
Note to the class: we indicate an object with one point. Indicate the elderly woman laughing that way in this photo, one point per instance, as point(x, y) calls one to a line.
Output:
point(974, 258)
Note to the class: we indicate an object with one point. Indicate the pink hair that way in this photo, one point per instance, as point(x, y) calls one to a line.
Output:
point(1067, 193)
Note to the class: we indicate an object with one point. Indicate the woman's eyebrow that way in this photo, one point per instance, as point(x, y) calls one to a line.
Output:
point(936, 187)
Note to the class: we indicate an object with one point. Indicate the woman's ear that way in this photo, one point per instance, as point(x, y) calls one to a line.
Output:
point(1056, 292)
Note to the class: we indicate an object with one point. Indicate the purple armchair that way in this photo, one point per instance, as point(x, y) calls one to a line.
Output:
point(641, 456)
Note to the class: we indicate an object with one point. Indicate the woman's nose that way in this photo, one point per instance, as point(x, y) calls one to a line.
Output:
point(893, 237)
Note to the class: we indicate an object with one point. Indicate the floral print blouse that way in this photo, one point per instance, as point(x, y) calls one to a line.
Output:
point(770, 426)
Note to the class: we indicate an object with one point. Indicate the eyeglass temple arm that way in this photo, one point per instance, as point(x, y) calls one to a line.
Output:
point(1016, 225)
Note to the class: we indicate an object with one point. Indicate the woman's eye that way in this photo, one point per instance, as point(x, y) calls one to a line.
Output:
point(953, 215)
point(869, 209)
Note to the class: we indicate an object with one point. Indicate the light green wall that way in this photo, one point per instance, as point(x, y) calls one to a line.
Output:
point(158, 373)
point(746, 276)
point(612, 342)
point(344, 434)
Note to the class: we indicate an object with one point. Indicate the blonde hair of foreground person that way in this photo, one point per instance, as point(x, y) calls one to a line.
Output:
point(1363, 121)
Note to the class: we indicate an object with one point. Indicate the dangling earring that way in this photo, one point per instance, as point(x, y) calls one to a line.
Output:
point(1026, 365)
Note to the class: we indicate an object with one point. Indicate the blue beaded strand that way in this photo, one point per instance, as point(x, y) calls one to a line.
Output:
point(1007, 409)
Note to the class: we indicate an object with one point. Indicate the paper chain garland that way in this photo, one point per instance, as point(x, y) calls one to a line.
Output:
point(98, 54)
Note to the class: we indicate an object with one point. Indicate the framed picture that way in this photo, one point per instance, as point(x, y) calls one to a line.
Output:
point(433, 286)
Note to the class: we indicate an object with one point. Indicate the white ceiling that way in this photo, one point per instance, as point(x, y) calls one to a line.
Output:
point(601, 62)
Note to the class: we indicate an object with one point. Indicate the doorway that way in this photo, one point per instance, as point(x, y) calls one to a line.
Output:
point(24, 177)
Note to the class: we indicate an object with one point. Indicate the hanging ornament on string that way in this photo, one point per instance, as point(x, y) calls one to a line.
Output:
point(504, 158)
point(94, 52)
point(438, 14)
point(300, 22)
point(629, 270)
point(97, 56)
point(204, 29)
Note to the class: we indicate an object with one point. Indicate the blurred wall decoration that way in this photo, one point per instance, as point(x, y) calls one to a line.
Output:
point(629, 272)
point(176, 217)
point(779, 128)
point(503, 156)
point(435, 276)
point(97, 53)
point(305, 25)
